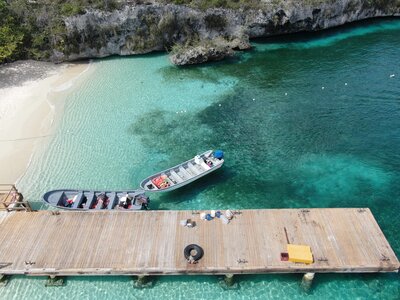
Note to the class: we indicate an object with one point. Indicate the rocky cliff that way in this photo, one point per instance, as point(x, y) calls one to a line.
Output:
point(193, 33)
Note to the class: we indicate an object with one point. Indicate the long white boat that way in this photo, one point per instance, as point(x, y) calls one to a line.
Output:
point(184, 173)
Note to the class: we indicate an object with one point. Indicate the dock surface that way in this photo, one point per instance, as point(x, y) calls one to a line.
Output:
point(152, 242)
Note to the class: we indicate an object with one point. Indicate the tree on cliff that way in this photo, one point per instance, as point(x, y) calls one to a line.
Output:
point(11, 37)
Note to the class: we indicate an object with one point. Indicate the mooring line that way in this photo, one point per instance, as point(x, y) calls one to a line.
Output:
point(27, 138)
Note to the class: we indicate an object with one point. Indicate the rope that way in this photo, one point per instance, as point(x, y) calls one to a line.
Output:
point(27, 138)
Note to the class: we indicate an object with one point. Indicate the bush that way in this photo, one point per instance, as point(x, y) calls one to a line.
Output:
point(71, 9)
point(205, 4)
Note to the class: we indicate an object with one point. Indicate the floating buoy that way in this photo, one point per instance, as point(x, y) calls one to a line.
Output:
point(391, 75)
point(345, 83)
point(219, 104)
point(285, 94)
point(323, 87)
point(254, 99)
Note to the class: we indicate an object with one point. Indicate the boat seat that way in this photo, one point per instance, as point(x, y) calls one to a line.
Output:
point(204, 165)
point(191, 171)
point(198, 166)
point(78, 200)
point(184, 172)
point(176, 177)
point(194, 168)
point(90, 199)
point(112, 199)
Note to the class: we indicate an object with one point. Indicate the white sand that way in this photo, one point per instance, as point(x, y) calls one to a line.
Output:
point(27, 113)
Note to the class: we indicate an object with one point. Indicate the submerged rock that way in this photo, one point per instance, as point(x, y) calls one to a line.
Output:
point(141, 28)
point(200, 54)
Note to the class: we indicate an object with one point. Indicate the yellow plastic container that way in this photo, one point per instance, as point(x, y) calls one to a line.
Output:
point(300, 254)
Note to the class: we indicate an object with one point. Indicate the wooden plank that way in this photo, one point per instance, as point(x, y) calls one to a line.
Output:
point(152, 242)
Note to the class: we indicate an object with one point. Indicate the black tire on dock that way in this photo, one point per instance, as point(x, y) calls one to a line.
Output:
point(199, 251)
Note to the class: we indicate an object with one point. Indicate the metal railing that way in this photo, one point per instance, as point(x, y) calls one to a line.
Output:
point(11, 199)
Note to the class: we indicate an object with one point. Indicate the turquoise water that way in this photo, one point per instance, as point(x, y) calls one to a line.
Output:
point(305, 121)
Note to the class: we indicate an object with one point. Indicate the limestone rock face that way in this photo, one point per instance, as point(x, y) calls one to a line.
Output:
point(200, 54)
point(140, 28)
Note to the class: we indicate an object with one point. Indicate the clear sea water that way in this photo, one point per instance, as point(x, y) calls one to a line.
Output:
point(310, 120)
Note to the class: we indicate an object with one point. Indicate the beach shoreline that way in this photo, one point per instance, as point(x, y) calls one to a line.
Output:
point(32, 98)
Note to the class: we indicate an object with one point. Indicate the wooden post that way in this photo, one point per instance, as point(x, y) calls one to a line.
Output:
point(142, 281)
point(306, 282)
point(54, 280)
point(3, 280)
point(229, 280)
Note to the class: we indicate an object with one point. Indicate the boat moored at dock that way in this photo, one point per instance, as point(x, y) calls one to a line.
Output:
point(97, 200)
point(184, 173)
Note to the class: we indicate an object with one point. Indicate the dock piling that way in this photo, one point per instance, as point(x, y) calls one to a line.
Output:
point(229, 281)
point(306, 282)
point(54, 280)
point(3, 280)
point(142, 281)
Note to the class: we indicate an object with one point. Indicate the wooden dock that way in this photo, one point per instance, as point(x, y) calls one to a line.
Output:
point(152, 242)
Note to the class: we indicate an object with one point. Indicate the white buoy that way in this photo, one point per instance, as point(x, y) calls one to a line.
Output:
point(323, 87)
point(254, 99)
point(391, 75)
point(219, 104)
point(345, 83)
point(285, 94)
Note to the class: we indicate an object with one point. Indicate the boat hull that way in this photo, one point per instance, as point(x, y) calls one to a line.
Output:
point(183, 174)
point(85, 200)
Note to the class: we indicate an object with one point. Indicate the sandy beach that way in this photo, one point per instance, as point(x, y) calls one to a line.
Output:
point(30, 95)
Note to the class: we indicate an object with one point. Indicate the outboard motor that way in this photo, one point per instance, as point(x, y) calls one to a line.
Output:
point(219, 154)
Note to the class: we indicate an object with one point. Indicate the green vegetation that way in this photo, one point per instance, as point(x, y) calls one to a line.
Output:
point(35, 28)
point(231, 4)
point(32, 29)
point(11, 35)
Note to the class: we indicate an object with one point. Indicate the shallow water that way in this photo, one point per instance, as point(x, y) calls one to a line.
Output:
point(305, 121)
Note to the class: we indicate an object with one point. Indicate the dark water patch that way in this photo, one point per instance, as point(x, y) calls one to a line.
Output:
point(171, 134)
point(188, 192)
point(204, 72)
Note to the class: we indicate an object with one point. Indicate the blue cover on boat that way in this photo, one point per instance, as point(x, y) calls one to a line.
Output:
point(219, 154)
